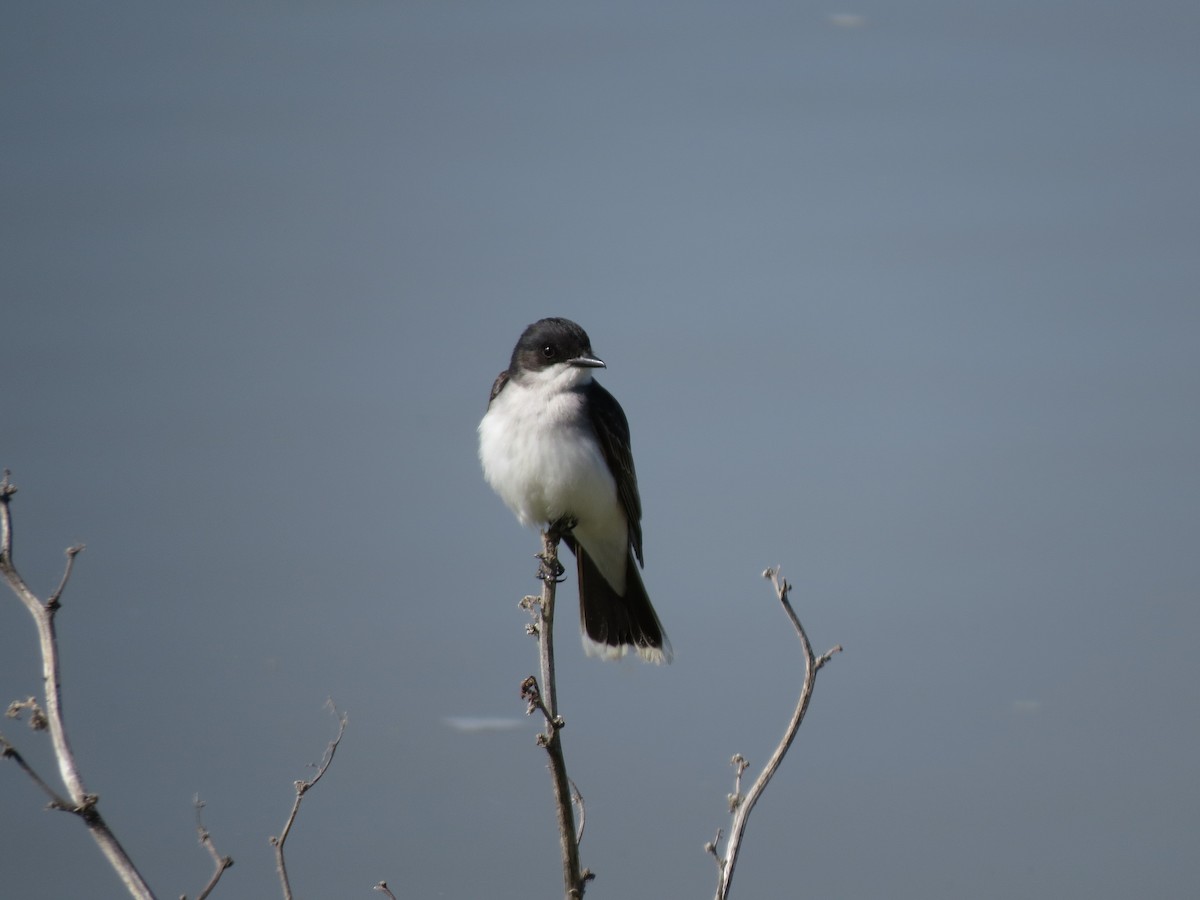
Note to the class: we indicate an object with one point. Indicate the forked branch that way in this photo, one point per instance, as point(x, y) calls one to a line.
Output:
point(220, 863)
point(302, 788)
point(78, 800)
point(741, 806)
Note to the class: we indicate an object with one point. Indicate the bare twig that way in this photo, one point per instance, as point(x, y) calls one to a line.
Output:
point(577, 801)
point(302, 788)
point(72, 552)
point(82, 803)
point(8, 751)
point(741, 806)
point(542, 697)
point(220, 863)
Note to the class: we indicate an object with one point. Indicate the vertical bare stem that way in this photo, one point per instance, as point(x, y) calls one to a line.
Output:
point(545, 699)
point(550, 565)
point(82, 804)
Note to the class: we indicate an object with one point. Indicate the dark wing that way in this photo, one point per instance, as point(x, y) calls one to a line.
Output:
point(498, 385)
point(612, 431)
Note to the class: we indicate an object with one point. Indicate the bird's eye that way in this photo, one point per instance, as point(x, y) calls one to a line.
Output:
point(548, 352)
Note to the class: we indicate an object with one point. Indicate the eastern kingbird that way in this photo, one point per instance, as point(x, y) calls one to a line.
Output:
point(555, 447)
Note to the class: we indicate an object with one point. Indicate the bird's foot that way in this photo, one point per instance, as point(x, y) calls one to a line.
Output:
point(561, 527)
point(551, 570)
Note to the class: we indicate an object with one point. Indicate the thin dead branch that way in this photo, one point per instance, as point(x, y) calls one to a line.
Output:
point(220, 863)
point(741, 806)
point(80, 802)
point(542, 697)
point(56, 801)
point(577, 800)
point(302, 788)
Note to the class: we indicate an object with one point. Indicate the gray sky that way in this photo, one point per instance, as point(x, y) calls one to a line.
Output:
point(909, 307)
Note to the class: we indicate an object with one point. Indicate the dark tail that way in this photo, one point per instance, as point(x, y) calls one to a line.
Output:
point(614, 624)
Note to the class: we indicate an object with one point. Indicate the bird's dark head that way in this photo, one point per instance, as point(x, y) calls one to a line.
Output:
point(553, 342)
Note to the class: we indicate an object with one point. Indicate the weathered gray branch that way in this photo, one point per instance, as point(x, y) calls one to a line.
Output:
point(542, 697)
point(81, 803)
point(302, 788)
point(741, 806)
point(220, 863)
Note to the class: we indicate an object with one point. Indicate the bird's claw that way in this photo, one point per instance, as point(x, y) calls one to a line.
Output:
point(550, 571)
point(561, 527)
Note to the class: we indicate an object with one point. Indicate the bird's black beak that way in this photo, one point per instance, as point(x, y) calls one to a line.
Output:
point(587, 362)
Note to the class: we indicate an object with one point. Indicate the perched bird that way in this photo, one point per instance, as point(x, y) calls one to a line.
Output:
point(554, 445)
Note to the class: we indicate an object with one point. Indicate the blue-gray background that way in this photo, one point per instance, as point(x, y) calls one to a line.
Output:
point(902, 296)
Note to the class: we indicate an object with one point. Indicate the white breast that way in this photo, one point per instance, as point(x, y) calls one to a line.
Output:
point(540, 455)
